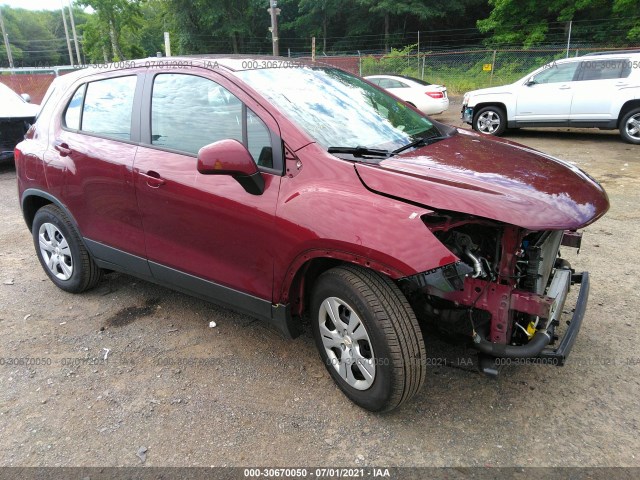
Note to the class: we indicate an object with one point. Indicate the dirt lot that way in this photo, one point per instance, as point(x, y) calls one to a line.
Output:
point(238, 394)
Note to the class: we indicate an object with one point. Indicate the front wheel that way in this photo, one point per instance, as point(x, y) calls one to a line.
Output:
point(630, 127)
point(61, 252)
point(368, 337)
point(490, 121)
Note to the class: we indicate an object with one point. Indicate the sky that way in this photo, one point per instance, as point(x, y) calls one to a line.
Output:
point(34, 4)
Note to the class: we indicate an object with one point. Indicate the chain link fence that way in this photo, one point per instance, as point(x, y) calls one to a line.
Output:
point(459, 71)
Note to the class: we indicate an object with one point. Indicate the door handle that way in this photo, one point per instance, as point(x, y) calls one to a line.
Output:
point(565, 87)
point(154, 180)
point(621, 84)
point(62, 147)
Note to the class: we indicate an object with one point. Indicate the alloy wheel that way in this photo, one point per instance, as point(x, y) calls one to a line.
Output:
point(347, 343)
point(55, 251)
point(633, 126)
point(488, 122)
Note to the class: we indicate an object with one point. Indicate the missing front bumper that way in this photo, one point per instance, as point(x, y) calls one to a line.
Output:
point(562, 351)
point(538, 351)
point(466, 114)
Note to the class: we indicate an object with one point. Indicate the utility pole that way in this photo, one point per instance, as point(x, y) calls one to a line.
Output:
point(167, 45)
point(569, 39)
point(274, 11)
point(75, 36)
point(66, 33)
point(5, 36)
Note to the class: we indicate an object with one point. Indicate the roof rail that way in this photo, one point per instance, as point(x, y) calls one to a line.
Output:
point(611, 52)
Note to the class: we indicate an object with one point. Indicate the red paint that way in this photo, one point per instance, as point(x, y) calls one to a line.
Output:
point(226, 157)
point(495, 180)
point(156, 204)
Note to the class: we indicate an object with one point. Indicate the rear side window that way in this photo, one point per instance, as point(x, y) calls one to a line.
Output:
point(604, 69)
point(390, 83)
point(108, 107)
point(103, 107)
point(189, 112)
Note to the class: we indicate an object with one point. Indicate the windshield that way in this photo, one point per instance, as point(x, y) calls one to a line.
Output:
point(338, 109)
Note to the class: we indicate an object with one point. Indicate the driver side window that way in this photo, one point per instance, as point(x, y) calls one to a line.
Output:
point(557, 73)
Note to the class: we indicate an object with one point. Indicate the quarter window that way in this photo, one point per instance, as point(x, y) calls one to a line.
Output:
point(259, 140)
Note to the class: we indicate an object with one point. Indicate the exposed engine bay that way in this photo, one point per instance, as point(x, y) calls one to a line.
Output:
point(505, 295)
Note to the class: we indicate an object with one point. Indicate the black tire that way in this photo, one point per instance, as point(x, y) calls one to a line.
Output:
point(626, 127)
point(84, 273)
point(397, 348)
point(483, 121)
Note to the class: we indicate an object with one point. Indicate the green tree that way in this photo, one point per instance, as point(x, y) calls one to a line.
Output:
point(211, 26)
point(315, 15)
point(629, 10)
point(111, 31)
point(33, 38)
point(531, 22)
point(424, 12)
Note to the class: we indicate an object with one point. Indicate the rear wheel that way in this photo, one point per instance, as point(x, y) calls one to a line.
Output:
point(61, 252)
point(490, 120)
point(630, 127)
point(368, 337)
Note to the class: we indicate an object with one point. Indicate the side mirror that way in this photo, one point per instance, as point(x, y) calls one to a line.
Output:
point(26, 97)
point(530, 82)
point(230, 157)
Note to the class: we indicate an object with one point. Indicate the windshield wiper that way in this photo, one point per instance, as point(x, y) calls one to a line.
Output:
point(420, 142)
point(361, 152)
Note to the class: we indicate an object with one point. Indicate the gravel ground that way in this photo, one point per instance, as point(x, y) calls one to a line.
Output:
point(239, 394)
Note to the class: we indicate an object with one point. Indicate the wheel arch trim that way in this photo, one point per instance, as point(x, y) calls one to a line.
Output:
point(481, 105)
point(294, 279)
point(626, 108)
point(34, 192)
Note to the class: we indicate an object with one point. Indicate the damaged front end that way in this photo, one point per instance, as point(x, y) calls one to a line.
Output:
point(506, 294)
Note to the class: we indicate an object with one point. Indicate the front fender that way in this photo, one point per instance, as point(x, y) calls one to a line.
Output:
point(508, 99)
point(326, 212)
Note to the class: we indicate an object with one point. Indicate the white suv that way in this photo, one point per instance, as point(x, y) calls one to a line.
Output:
point(600, 90)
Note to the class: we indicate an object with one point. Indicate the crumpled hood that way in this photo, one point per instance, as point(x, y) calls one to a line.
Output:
point(497, 180)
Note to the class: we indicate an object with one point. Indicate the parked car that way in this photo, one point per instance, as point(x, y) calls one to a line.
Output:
point(592, 91)
point(287, 191)
point(16, 115)
point(428, 98)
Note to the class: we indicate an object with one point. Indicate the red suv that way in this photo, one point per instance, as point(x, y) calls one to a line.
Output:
point(286, 190)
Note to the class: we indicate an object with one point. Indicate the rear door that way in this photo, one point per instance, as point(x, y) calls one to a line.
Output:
point(206, 227)
point(96, 141)
point(598, 85)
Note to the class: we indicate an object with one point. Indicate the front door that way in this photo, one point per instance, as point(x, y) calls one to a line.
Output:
point(548, 98)
point(205, 226)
